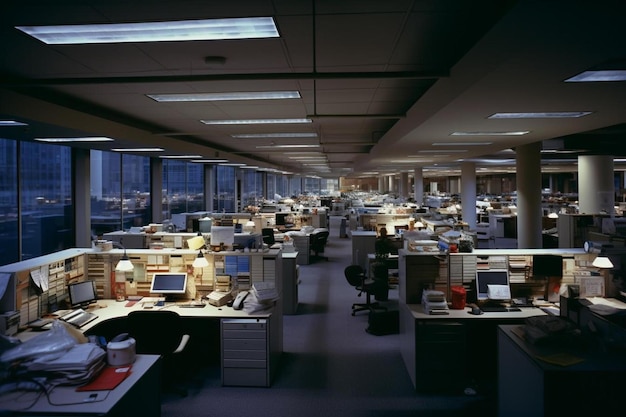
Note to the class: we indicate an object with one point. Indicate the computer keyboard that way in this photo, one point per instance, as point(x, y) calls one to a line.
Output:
point(79, 318)
point(494, 309)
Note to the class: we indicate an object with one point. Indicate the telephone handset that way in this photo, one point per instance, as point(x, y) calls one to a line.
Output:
point(238, 303)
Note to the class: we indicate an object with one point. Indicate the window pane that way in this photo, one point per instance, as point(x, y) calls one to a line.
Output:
point(46, 199)
point(106, 211)
point(8, 202)
point(136, 191)
point(225, 189)
point(183, 184)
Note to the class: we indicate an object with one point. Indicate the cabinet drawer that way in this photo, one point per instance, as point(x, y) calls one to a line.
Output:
point(245, 354)
point(244, 334)
point(244, 324)
point(244, 363)
point(244, 344)
point(245, 377)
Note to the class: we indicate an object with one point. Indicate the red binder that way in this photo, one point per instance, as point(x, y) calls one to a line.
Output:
point(108, 379)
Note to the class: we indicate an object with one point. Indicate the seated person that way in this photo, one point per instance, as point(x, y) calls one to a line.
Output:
point(383, 245)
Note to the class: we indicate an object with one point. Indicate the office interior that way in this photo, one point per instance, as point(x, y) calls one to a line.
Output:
point(437, 132)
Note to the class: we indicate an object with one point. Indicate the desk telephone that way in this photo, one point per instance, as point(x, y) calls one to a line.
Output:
point(238, 303)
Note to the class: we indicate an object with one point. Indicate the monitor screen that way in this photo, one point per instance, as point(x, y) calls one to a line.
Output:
point(545, 266)
point(169, 283)
point(490, 276)
point(82, 293)
point(281, 219)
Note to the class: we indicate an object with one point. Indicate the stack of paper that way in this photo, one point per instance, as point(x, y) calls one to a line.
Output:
point(261, 299)
point(77, 365)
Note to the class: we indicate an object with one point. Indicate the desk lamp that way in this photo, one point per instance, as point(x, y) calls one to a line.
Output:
point(123, 266)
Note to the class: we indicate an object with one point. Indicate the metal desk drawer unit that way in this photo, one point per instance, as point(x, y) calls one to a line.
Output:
point(245, 352)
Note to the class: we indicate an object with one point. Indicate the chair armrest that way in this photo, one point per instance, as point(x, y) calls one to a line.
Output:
point(182, 344)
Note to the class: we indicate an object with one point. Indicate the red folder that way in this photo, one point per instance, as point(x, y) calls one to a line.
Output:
point(108, 379)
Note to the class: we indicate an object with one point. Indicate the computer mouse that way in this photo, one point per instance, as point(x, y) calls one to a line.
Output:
point(475, 310)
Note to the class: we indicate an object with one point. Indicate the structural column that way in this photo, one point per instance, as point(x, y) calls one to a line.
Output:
point(381, 183)
point(418, 186)
point(596, 193)
point(403, 190)
point(468, 194)
point(529, 213)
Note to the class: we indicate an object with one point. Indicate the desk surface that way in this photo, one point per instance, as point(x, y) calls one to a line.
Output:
point(65, 400)
point(417, 311)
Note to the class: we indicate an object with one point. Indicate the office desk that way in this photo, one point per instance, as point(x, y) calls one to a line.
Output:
point(137, 395)
point(444, 352)
point(528, 386)
point(204, 327)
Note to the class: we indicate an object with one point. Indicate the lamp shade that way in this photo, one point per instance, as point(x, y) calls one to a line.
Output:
point(200, 261)
point(124, 264)
point(195, 242)
point(602, 262)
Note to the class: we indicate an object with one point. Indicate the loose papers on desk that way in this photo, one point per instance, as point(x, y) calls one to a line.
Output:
point(261, 299)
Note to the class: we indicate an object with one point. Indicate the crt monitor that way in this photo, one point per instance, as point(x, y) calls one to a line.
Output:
point(82, 293)
point(169, 283)
point(546, 266)
point(487, 277)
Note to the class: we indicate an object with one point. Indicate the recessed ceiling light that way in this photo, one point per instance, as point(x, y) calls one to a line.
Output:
point(209, 161)
point(137, 150)
point(184, 30)
point(232, 96)
point(461, 144)
point(601, 75)
point(540, 115)
point(12, 123)
point(437, 151)
point(84, 139)
point(513, 133)
point(286, 146)
point(180, 156)
point(255, 121)
point(233, 164)
point(274, 135)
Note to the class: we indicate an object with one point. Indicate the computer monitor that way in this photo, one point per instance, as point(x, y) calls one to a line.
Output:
point(281, 218)
point(487, 277)
point(82, 293)
point(169, 283)
point(545, 266)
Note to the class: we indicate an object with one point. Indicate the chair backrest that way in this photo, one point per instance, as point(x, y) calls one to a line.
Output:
point(354, 274)
point(268, 235)
point(155, 331)
point(318, 240)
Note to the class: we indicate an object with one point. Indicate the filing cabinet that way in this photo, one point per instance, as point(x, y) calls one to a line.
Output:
point(245, 352)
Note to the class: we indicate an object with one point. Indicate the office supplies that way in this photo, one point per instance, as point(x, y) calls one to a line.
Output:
point(434, 302)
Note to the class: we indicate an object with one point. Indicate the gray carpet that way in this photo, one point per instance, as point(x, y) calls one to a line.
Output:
point(331, 366)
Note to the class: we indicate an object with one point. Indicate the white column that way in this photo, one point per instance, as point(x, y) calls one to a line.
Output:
point(390, 185)
point(596, 193)
point(381, 183)
point(468, 194)
point(418, 186)
point(528, 165)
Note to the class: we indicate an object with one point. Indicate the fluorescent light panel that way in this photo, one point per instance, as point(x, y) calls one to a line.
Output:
point(180, 156)
point(12, 123)
point(462, 143)
point(540, 115)
point(437, 151)
point(255, 121)
point(231, 96)
point(83, 139)
point(286, 146)
point(137, 150)
point(602, 75)
point(184, 30)
point(512, 133)
point(274, 135)
point(209, 161)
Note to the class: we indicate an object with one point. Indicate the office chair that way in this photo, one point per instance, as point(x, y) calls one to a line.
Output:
point(161, 332)
point(268, 236)
point(318, 243)
point(356, 277)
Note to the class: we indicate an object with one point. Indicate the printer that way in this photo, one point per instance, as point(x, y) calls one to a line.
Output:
point(434, 302)
point(9, 323)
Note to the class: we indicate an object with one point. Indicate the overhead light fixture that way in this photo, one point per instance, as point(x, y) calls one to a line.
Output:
point(437, 151)
point(462, 143)
point(233, 164)
point(541, 115)
point(600, 75)
point(9, 123)
point(209, 161)
point(66, 140)
point(230, 96)
point(286, 146)
point(137, 150)
point(511, 133)
point(183, 30)
point(180, 156)
point(256, 121)
point(274, 135)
